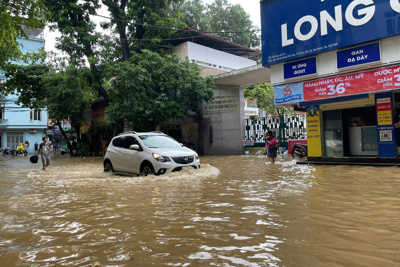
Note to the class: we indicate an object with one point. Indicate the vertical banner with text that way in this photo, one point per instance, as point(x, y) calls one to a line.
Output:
point(386, 139)
point(314, 132)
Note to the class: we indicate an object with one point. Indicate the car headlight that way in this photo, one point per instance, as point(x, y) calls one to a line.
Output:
point(161, 158)
point(196, 156)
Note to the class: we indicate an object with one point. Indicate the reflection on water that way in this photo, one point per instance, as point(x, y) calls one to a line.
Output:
point(234, 211)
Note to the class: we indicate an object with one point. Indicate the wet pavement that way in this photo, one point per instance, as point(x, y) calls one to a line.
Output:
point(234, 211)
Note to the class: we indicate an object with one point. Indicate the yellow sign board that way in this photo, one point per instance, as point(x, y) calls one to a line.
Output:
point(314, 132)
point(385, 117)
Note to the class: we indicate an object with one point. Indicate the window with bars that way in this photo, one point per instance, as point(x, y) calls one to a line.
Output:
point(36, 115)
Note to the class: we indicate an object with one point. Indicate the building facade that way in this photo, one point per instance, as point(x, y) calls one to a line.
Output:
point(220, 130)
point(19, 124)
point(339, 62)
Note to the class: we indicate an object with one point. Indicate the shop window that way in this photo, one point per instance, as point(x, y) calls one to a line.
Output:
point(36, 115)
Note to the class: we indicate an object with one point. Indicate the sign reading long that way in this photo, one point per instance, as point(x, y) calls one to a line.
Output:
point(323, 25)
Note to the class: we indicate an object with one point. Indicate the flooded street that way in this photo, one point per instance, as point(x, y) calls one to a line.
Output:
point(234, 211)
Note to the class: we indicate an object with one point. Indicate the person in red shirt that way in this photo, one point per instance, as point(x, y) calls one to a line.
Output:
point(271, 146)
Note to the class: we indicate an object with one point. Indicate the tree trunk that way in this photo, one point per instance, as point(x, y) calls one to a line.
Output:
point(121, 25)
point(65, 136)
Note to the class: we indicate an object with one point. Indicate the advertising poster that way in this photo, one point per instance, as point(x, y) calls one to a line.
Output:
point(314, 132)
point(289, 93)
point(386, 135)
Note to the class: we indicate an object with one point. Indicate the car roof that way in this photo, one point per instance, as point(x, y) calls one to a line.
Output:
point(141, 133)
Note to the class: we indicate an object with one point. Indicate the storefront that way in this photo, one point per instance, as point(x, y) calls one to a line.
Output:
point(339, 61)
point(355, 120)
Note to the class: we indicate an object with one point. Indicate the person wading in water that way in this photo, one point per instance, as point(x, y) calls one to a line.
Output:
point(271, 147)
point(44, 151)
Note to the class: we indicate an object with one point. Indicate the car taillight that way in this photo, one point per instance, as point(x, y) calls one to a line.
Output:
point(105, 151)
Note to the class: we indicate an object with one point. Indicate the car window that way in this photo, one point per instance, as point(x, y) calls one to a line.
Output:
point(118, 142)
point(159, 141)
point(130, 140)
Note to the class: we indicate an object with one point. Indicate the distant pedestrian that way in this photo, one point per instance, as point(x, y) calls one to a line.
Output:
point(55, 147)
point(44, 151)
point(36, 147)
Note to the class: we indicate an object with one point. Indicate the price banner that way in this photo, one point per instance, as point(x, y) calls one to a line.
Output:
point(356, 83)
point(337, 86)
point(385, 78)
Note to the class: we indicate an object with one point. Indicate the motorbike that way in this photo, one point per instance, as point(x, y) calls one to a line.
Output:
point(299, 151)
point(8, 151)
point(21, 152)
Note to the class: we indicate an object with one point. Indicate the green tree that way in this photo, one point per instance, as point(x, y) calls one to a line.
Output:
point(230, 22)
point(79, 40)
point(68, 94)
point(151, 90)
point(16, 15)
point(194, 15)
point(264, 94)
point(65, 93)
point(25, 79)
point(142, 23)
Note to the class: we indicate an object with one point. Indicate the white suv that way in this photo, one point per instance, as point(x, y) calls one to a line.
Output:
point(148, 153)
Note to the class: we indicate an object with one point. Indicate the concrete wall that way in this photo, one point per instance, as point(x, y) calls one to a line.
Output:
point(222, 132)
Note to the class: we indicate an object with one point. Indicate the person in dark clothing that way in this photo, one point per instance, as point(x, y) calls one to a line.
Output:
point(36, 147)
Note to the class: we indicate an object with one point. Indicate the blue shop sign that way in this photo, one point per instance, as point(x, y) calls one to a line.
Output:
point(293, 29)
point(300, 68)
point(358, 55)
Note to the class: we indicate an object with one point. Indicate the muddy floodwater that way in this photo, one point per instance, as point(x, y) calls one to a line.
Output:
point(234, 211)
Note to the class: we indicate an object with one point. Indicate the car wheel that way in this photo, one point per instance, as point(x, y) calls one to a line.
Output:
point(147, 169)
point(108, 166)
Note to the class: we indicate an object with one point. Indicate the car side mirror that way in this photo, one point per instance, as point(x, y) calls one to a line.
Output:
point(134, 147)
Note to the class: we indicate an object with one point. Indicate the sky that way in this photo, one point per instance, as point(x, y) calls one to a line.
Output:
point(252, 7)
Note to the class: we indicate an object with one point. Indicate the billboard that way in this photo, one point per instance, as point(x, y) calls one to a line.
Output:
point(293, 29)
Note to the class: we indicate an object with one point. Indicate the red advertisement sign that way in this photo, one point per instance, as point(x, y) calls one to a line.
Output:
point(385, 78)
point(351, 84)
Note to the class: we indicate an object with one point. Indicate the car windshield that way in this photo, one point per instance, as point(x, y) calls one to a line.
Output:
point(159, 141)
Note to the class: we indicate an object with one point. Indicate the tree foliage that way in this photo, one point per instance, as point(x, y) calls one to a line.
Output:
point(25, 79)
point(141, 23)
point(194, 15)
point(64, 93)
point(68, 93)
point(16, 15)
point(230, 22)
point(264, 94)
point(78, 36)
point(151, 90)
